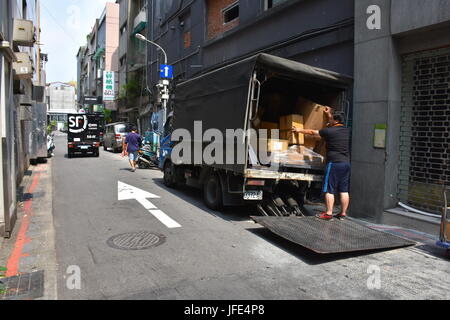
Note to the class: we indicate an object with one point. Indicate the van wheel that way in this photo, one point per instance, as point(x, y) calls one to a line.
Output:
point(169, 177)
point(212, 192)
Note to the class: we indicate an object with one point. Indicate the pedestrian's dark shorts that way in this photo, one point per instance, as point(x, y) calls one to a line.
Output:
point(337, 178)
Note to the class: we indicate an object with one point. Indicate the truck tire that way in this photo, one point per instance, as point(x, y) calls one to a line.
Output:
point(212, 192)
point(169, 177)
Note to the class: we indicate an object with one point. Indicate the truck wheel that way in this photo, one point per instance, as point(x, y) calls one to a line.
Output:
point(169, 177)
point(212, 192)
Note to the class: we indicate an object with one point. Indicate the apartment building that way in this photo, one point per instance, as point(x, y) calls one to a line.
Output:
point(22, 82)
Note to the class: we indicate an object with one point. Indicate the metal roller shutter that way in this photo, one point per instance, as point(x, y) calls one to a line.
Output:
point(425, 129)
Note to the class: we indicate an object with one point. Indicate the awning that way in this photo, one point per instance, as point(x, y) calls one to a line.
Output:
point(99, 53)
point(141, 26)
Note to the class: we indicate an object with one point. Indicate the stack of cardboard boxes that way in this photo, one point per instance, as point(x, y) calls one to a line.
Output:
point(296, 146)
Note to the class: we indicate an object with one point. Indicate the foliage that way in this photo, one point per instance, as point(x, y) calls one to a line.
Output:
point(107, 113)
point(130, 90)
point(2, 275)
point(51, 127)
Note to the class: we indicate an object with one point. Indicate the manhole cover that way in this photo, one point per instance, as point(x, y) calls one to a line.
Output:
point(136, 240)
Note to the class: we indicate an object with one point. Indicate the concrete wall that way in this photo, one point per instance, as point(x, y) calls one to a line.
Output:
point(257, 30)
point(62, 97)
point(406, 26)
point(112, 37)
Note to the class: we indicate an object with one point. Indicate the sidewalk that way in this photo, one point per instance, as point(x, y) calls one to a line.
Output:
point(29, 255)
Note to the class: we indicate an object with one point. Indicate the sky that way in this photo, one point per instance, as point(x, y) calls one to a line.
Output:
point(64, 27)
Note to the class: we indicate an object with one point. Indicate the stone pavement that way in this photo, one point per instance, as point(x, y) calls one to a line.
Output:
point(29, 255)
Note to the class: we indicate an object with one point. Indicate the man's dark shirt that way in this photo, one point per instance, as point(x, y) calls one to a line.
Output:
point(338, 143)
point(133, 141)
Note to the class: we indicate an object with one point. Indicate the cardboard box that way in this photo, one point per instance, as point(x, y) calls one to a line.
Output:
point(292, 137)
point(292, 120)
point(269, 126)
point(274, 145)
point(303, 154)
point(314, 116)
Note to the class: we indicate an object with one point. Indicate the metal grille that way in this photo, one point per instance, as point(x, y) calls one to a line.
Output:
point(334, 236)
point(26, 286)
point(425, 129)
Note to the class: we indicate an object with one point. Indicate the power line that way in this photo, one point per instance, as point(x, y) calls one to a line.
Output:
point(62, 28)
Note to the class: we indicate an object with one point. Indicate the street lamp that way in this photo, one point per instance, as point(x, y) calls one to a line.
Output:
point(165, 83)
point(142, 38)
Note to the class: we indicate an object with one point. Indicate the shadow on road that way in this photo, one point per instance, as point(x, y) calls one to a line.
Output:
point(243, 213)
point(195, 197)
point(308, 256)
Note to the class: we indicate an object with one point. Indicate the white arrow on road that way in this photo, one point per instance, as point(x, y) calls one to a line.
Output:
point(127, 192)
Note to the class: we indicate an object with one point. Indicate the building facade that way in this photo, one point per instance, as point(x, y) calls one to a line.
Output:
point(61, 100)
point(100, 55)
point(204, 34)
point(402, 77)
point(133, 97)
point(22, 83)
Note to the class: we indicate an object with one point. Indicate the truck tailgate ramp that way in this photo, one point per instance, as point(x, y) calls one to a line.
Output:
point(336, 236)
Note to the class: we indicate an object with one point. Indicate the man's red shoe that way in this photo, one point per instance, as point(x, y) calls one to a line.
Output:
point(324, 216)
point(341, 216)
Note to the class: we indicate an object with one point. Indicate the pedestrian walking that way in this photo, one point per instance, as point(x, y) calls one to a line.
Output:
point(337, 172)
point(131, 146)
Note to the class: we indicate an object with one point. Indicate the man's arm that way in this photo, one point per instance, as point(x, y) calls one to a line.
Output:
point(310, 132)
point(124, 146)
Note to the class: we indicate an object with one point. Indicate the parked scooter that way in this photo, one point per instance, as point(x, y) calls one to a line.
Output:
point(50, 145)
point(146, 157)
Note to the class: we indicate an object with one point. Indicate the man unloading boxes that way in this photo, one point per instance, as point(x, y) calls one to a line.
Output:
point(337, 172)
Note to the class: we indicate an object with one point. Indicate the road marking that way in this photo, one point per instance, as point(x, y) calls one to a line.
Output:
point(22, 239)
point(127, 192)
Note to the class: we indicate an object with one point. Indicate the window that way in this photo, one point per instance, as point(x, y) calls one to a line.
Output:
point(231, 13)
point(272, 3)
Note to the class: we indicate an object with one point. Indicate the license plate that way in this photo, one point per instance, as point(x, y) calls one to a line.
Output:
point(253, 195)
point(84, 147)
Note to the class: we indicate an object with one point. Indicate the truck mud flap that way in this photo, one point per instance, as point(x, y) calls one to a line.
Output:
point(336, 236)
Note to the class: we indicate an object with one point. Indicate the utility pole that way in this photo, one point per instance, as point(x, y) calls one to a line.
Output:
point(163, 84)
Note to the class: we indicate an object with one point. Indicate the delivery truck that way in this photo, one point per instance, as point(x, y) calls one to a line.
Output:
point(222, 111)
point(263, 92)
point(83, 136)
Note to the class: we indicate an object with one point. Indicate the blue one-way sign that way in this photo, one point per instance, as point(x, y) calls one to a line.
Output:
point(166, 71)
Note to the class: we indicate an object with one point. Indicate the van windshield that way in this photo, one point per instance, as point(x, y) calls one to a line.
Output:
point(123, 128)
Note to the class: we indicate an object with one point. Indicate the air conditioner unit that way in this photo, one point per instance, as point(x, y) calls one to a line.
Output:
point(23, 67)
point(23, 33)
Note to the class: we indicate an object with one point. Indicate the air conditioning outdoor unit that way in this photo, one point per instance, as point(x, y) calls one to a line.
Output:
point(23, 33)
point(23, 67)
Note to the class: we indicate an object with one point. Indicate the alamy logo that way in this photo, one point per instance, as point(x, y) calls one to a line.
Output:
point(374, 20)
point(374, 280)
point(77, 123)
point(73, 280)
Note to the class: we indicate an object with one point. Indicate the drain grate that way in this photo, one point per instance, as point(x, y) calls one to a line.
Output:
point(136, 240)
point(26, 286)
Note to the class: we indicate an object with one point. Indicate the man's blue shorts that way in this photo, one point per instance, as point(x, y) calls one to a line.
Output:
point(132, 155)
point(337, 178)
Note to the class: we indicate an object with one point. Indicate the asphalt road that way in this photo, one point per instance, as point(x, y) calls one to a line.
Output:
point(212, 255)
